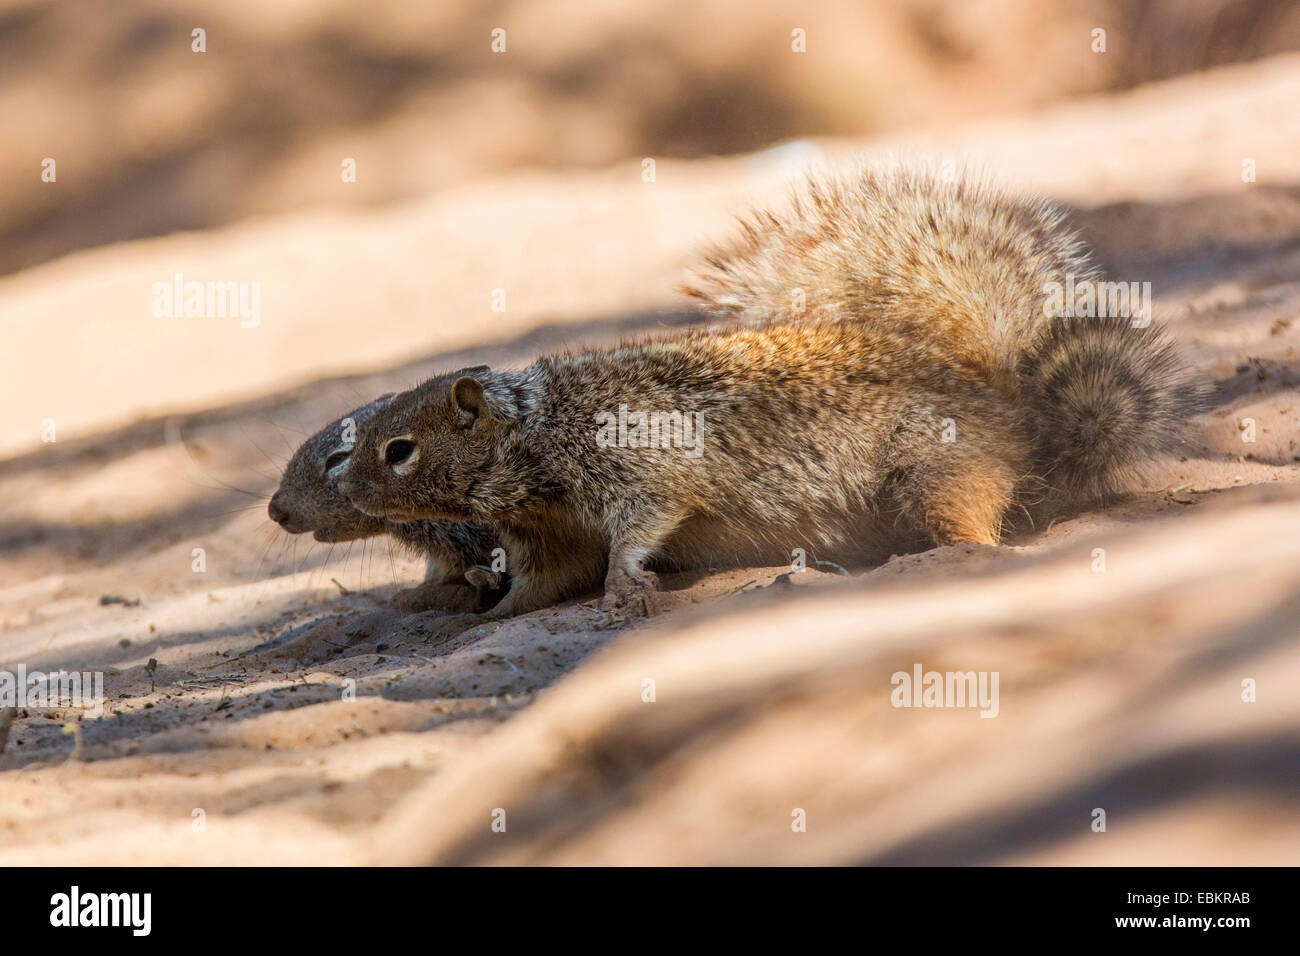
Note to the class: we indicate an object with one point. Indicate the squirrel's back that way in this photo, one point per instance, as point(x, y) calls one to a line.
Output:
point(958, 263)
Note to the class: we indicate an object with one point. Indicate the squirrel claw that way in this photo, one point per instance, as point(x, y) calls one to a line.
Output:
point(631, 594)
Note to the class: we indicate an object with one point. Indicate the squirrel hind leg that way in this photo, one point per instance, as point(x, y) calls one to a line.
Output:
point(966, 504)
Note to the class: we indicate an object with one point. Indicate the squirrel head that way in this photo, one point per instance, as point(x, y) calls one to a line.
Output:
point(309, 499)
point(421, 456)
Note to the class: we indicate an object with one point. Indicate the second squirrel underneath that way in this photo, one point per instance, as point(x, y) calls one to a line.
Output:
point(926, 394)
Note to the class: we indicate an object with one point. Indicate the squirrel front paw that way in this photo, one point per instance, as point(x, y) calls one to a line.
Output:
point(484, 577)
point(630, 593)
point(491, 586)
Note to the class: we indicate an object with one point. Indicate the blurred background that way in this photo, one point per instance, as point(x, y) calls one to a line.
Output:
point(152, 138)
point(131, 441)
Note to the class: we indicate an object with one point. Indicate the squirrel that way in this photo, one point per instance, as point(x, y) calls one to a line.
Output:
point(928, 393)
point(457, 555)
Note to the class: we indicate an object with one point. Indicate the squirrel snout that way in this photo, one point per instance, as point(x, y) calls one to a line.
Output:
point(276, 511)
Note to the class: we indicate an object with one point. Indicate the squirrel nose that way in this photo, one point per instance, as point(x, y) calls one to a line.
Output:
point(276, 511)
point(347, 488)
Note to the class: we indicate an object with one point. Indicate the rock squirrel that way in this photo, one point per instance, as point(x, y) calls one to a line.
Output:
point(928, 392)
point(308, 499)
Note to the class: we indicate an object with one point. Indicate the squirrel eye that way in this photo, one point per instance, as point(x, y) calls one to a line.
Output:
point(336, 459)
point(399, 451)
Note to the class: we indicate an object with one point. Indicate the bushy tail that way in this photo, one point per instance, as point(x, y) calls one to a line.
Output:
point(1105, 397)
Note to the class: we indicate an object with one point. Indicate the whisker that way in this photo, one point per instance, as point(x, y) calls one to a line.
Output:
point(391, 569)
point(348, 555)
point(274, 464)
point(234, 511)
point(326, 563)
point(265, 551)
point(227, 487)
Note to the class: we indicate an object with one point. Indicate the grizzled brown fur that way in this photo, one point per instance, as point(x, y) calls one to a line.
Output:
point(308, 499)
point(965, 268)
point(922, 396)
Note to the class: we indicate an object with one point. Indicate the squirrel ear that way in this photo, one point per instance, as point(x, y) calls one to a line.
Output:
point(467, 396)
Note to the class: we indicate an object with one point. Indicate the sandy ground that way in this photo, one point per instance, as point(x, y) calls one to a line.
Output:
point(230, 733)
